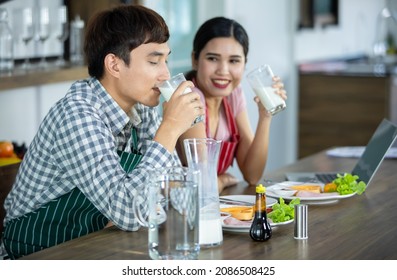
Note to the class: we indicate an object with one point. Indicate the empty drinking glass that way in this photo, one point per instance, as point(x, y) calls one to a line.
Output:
point(43, 32)
point(172, 216)
point(24, 31)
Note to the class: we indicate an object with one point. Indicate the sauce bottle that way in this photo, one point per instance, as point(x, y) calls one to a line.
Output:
point(260, 228)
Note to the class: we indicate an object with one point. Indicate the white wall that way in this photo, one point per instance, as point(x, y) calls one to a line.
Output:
point(353, 35)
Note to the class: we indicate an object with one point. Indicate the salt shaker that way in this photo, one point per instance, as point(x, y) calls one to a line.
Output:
point(301, 221)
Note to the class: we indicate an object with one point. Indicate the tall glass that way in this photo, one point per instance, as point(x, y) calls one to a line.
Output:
point(62, 31)
point(43, 32)
point(24, 31)
point(167, 89)
point(261, 81)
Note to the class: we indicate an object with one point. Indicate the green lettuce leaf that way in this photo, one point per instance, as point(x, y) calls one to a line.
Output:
point(282, 212)
point(348, 183)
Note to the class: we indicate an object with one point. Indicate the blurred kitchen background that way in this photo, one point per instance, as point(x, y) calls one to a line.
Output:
point(337, 59)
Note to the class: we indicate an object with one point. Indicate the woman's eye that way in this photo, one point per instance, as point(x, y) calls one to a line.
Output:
point(153, 62)
point(235, 61)
point(211, 58)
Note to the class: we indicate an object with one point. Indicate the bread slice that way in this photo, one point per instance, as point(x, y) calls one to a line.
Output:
point(310, 188)
point(242, 213)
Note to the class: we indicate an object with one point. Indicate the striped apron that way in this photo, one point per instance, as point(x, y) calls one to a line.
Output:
point(228, 148)
point(70, 216)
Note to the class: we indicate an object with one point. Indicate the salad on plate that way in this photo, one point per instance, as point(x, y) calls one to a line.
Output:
point(239, 218)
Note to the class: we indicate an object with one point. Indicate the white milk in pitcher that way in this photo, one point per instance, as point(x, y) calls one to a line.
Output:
point(210, 232)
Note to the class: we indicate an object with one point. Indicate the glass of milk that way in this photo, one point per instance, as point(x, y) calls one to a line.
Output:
point(261, 81)
point(167, 89)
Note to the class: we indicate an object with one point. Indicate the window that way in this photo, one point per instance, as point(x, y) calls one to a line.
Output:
point(318, 13)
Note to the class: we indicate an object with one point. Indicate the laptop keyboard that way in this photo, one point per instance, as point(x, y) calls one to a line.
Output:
point(326, 177)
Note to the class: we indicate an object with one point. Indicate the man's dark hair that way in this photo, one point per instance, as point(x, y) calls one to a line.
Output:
point(119, 31)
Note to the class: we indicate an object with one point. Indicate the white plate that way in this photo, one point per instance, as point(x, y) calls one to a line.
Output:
point(251, 199)
point(246, 198)
point(246, 228)
point(277, 191)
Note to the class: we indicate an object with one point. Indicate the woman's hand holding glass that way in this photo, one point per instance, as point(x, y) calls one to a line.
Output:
point(280, 90)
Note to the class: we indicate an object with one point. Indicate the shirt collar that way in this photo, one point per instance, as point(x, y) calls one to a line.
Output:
point(116, 117)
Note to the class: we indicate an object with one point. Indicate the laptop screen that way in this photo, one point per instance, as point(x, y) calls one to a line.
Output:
point(376, 149)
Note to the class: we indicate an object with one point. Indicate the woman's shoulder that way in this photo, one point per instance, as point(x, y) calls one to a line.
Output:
point(201, 94)
point(237, 93)
point(237, 100)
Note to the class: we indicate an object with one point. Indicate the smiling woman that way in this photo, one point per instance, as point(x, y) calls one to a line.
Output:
point(219, 56)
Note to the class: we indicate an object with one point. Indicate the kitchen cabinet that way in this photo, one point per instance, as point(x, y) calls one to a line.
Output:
point(340, 108)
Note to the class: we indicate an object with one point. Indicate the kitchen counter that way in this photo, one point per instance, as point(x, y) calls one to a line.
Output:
point(361, 66)
point(341, 102)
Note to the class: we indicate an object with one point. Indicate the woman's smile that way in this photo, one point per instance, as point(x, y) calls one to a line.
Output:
point(221, 84)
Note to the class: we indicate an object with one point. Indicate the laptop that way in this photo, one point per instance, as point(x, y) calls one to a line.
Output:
point(368, 163)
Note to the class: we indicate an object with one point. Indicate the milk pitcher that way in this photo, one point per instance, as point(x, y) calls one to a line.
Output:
point(202, 154)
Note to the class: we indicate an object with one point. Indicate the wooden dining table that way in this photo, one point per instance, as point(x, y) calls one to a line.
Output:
point(361, 227)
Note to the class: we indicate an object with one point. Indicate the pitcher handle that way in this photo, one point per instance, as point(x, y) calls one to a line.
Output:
point(161, 215)
point(137, 211)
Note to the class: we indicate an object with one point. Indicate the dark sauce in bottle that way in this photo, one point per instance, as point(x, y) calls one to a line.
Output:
point(260, 229)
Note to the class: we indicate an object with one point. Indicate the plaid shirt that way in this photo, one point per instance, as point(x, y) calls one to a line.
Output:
point(76, 146)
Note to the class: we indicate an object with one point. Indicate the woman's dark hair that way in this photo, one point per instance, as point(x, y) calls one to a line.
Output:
point(119, 31)
point(215, 28)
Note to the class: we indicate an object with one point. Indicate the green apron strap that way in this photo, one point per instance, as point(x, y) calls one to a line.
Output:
point(134, 143)
point(130, 160)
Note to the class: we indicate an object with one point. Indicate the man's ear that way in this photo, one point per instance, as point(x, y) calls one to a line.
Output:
point(111, 64)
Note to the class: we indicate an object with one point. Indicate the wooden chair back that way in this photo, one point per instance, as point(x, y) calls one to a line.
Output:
point(7, 178)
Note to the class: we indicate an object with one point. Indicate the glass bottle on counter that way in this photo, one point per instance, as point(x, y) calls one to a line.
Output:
point(384, 44)
point(6, 43)
point(77, 41)
point(260, 228)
